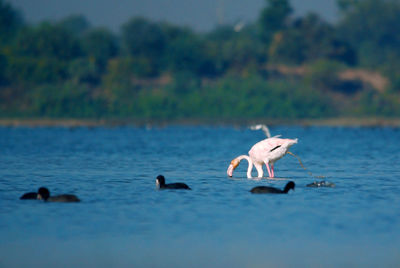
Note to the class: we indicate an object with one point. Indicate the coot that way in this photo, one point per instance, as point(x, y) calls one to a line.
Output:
point(272, 190)
point(160, 182)
point(44, 194)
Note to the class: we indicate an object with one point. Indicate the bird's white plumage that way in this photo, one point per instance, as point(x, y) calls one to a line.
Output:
point(266, 152)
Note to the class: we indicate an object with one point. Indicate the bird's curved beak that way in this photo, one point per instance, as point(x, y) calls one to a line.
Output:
point(232, 166)
point(39, 197)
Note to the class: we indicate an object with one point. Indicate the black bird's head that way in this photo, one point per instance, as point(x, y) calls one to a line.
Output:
point(43, 193)
point(160, 181)
point(289, 185)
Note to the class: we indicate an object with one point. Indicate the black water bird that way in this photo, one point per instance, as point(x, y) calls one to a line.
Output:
point(160, 182)
point(272, 190)
point(30, 195)
point(44, 194)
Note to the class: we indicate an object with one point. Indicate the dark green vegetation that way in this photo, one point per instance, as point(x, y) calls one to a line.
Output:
point(280, 67)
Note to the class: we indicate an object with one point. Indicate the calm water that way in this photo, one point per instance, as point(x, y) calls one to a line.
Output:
point(124, 221)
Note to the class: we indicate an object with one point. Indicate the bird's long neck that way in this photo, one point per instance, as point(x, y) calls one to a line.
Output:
point(250, 167)
point(265, 129)
point(287, 188)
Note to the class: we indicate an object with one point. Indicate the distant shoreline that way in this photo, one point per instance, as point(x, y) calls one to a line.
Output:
point(52, 122)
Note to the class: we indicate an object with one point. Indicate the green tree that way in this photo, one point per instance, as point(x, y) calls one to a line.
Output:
point(3, 69)
point(274, 18)
point(188, 53)
point(32, 71)
point(240, 51)
point(100, 45)
point(371, 26)
point(345, 5)
point(84, 71)
point(10, 22)
point(143, 38)
point(67, 100)
point(47, 40)
point(75, 24)
point(309, 38)
point(185, 51)
point(324, 75)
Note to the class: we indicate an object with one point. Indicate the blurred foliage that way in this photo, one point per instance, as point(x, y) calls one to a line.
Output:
point(323, 74)
point(10, 22)
point(31, 71)
point(144, 39)
point(280, 67)
point(99, 45)
point(371, 26)
point(66, 100)
point(274, 18)
point(308, 39)
point(46, 40)
point(75, 24)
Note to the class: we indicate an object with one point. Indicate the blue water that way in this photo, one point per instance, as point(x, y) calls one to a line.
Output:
point(124, 221)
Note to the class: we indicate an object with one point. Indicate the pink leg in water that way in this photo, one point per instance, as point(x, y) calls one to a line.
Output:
point(272, 171)
point(269, 171)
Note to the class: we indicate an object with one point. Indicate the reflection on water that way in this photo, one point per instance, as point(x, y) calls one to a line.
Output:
point(123, 220)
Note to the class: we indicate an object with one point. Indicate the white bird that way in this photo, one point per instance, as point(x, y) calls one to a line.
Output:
point(265, 129)
point(266, 152)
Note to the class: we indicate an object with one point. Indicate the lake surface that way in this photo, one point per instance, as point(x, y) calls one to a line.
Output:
point(124, 221)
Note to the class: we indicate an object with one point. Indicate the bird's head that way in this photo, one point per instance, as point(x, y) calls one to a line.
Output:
point(289, 186)
point(234, 164)
point(43, 193)
point(160, 180)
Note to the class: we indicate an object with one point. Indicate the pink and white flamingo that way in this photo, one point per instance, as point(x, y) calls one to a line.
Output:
point(266, 152)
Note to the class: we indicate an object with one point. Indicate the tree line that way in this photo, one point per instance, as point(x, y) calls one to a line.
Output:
point(159, 71)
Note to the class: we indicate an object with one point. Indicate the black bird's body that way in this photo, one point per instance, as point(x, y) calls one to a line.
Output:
point(63, 198)
point(26, 196)
point(44, 194)
point(160, 182)
point(272, 190)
